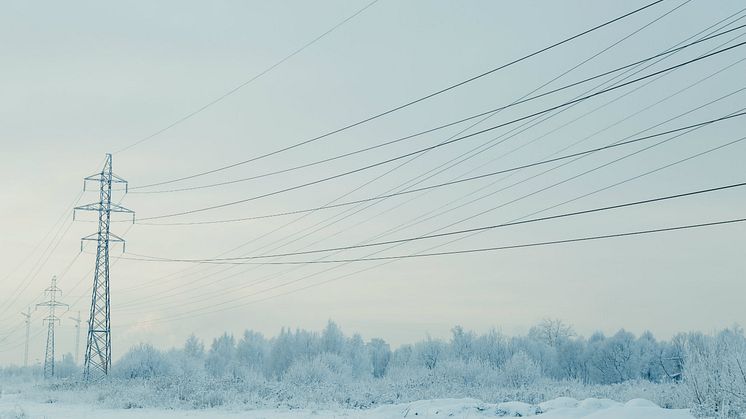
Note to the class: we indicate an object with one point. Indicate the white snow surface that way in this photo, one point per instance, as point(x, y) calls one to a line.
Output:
point(12, 406)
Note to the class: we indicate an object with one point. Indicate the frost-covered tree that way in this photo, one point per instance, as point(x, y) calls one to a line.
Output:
point(308, 344)
point(142, 361)
point(648, 357)
point(462, 343)
point(194, 348)
point(671, 356)
point(540, 352)
point(402, 356)
point(429, 352)
point(715, 373)
point(614, 359)
point(552, 332)
point(322, 369)
point(380, 356)
point(357, 357)
point(332, 339)
point(251, 351)
point(520, 371)
point(492, 348)
point(571, 360)
point(281, 353)
point(221, 359)
point(66, 368)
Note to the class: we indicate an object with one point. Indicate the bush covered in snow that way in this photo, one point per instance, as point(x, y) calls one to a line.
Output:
point(305, 369)
point(715, 373)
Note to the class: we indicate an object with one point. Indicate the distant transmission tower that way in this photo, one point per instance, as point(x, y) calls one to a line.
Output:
point(97, 361)
point(77, 336)
point(27, 316)
point(51, 319)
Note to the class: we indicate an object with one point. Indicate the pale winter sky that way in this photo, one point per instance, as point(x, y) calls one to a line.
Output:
point(80, 79)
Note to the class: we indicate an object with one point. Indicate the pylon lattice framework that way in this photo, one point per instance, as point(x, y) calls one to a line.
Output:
point(97, 361)
point(27, 320)
point(51, 319)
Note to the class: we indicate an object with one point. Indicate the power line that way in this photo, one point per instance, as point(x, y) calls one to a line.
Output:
point(253, 283)
point(244, 84)
point(483, 250)
point(586, 114)
point(495, 248)
point(440, 127)
point(489, 115)
point(462, 180)
point(710, 27)
point(146, 258)
point(413, 102)
point(533, 124)
point(383, 162)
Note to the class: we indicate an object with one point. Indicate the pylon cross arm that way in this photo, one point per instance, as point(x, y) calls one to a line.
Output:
point(105, 176)
point(94, 237)
point(96, 206)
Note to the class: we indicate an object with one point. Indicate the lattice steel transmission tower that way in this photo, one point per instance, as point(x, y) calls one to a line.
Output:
point(77, 321)
point(97, 361)
point(51, 319)
point(27, 317)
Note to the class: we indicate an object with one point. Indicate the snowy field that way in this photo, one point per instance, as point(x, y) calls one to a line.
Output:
point(12, 406)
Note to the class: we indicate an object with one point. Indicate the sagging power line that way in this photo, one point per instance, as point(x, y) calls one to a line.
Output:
point(415, 101)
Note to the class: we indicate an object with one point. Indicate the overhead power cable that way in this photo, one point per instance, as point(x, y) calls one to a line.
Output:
point(213, 309)
point(488, 249)
point(493, 248)
point(440, 127)
point(622, 39)
point(635, 177)
point(247, 82)
point(147, 258)
point(712, 26)
point(680, 43)
point(458, 181)
point(461, 138)
point(412, 102)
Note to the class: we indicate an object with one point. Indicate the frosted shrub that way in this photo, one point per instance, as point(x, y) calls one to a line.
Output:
point(307, 369)
point(715, 373)
point(473, 373)
point(322, 380)
point(380, 356)
point(142, 361)
point(520, 371)
point(324, 368)
point(429, 352)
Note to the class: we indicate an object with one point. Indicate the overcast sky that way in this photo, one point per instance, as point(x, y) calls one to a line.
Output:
point(80, 79)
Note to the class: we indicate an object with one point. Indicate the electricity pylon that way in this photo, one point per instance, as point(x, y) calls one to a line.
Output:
point(51, 319)
point(97, 361)
point(27, 316)
point(77, 335)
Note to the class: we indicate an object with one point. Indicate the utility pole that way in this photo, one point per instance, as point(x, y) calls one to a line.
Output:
point(97, 361)
point(77, 335)
point(51, 319)
point(27, 316)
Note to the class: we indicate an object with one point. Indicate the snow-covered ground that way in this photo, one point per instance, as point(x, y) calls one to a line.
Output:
point(12, 406)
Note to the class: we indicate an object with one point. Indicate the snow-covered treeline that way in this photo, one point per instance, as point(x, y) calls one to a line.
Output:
point(302, 368)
